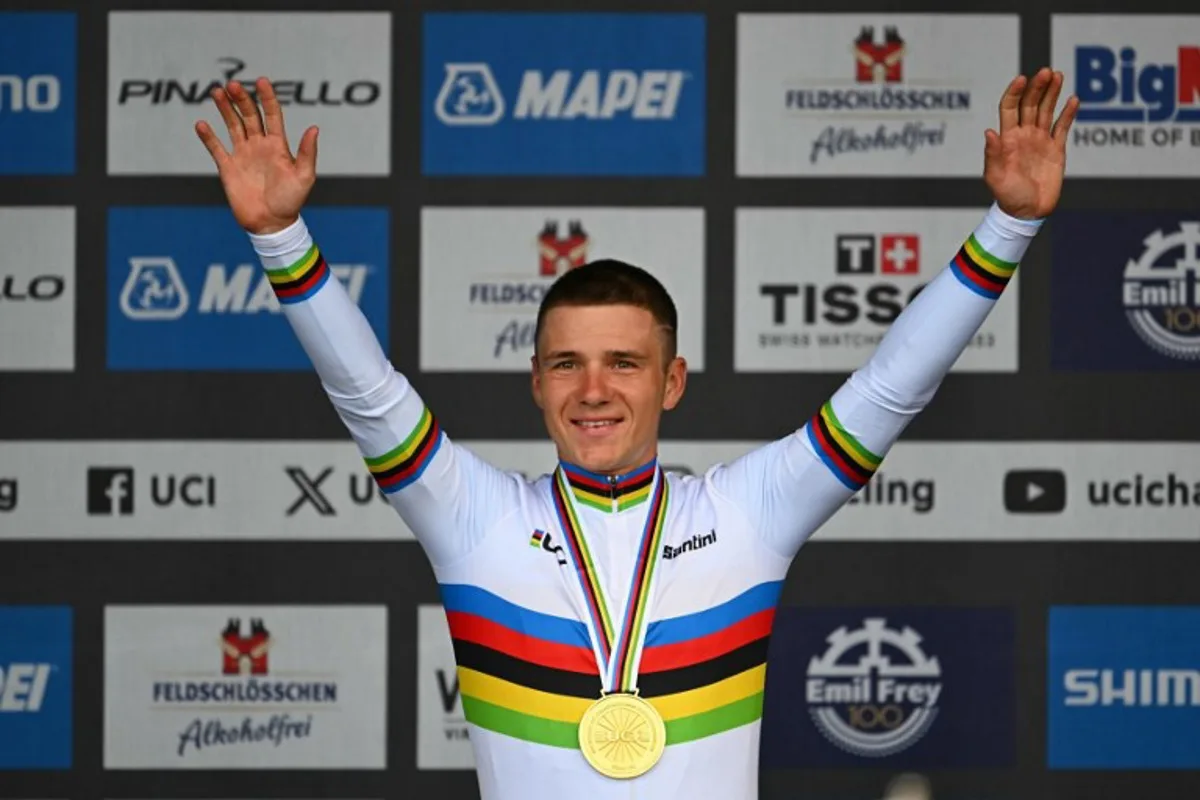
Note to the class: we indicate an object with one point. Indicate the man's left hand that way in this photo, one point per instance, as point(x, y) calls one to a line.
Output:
point(1024, 163)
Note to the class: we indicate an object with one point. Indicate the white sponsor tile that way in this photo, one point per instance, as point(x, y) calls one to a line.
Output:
point(1117, 491)
point(443, 741)
point(817, 289)
point(330, 69)
point(37, 289)
point(484, 271)
point(870, 94)
point(1138, 81)
point(245, 687)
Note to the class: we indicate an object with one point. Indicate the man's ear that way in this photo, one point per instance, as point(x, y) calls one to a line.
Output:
point(676, 383)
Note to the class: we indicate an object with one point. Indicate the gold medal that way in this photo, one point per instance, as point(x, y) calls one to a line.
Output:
point(622, 735)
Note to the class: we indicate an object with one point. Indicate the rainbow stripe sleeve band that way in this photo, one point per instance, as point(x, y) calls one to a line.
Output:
point(847, 459)
point(299, 281)
point(405, 463)
point(980, 271)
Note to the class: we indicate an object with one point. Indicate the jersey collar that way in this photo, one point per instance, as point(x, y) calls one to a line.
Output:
point(610, 493)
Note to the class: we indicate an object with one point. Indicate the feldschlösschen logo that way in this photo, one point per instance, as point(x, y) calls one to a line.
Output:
point(874, 691)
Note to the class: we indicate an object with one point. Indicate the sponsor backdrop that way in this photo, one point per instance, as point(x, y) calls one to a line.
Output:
point(203, 595)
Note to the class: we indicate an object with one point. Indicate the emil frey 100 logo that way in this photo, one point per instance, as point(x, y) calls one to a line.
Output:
point(1162, 295)
point(880, 703)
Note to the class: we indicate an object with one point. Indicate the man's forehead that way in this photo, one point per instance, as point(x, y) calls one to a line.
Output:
point(627, 319)
point(623, 328)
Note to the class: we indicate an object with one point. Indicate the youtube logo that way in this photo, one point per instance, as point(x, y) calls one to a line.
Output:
point(1035, 491)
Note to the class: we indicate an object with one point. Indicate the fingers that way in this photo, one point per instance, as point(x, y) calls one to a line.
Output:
point(233, 123)
point(209, 137)
point(1010, 101)
point(272, 113)
point(1063, 126)
point(991, 143)
point(247, 108)
point(306, 154)
point(1033, 95)
point(1045, 114)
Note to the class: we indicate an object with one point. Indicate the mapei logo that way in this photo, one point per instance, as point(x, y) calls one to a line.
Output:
point(879, 61)
point(155, 290)
point(23, 687)
point(1161, 292)
point(1113, 87)
point(874, 692)
point(470, 95)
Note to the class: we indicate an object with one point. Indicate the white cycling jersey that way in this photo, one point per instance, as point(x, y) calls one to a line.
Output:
point(517, 617)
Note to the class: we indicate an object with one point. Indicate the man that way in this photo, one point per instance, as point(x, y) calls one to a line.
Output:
point(622, 655)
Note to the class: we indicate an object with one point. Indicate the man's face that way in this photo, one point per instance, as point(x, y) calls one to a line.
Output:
point(601, 379)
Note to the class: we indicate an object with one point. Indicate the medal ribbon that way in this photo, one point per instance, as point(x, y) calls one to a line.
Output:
point(615, 648)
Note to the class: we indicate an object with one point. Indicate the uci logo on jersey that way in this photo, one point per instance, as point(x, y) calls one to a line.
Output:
point(563, 94)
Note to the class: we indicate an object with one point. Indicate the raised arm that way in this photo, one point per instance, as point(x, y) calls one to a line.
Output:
point(447, 495)
point(790, 487)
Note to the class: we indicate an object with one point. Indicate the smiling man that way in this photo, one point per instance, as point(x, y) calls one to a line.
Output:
point(610, 620)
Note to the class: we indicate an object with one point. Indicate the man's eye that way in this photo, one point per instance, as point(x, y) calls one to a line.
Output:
point(625, 365)
point(563, 365)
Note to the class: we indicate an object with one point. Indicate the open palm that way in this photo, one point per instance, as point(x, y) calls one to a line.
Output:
point(1025, 161)
point(266, 187)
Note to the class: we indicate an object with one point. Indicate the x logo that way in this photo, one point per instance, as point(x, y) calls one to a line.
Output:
point(310, 491)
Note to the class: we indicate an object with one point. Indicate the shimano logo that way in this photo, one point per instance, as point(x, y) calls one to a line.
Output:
point(470, 95)
point(37, 93)
point(1142, 688)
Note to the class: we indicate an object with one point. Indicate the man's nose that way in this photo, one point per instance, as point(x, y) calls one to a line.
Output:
point(595, 385)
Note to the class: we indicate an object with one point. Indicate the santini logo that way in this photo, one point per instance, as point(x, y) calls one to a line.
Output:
point(695, 543)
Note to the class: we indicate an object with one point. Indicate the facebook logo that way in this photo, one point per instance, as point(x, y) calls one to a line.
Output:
point(110, 491)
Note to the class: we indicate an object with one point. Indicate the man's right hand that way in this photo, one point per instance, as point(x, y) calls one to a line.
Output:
point(266, 187)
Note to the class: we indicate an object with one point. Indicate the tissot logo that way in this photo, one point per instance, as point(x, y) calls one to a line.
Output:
point(1035, 491)
point(898, 254)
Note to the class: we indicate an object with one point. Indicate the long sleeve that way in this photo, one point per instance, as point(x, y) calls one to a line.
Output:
point(790, 487)
point(448, 496)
